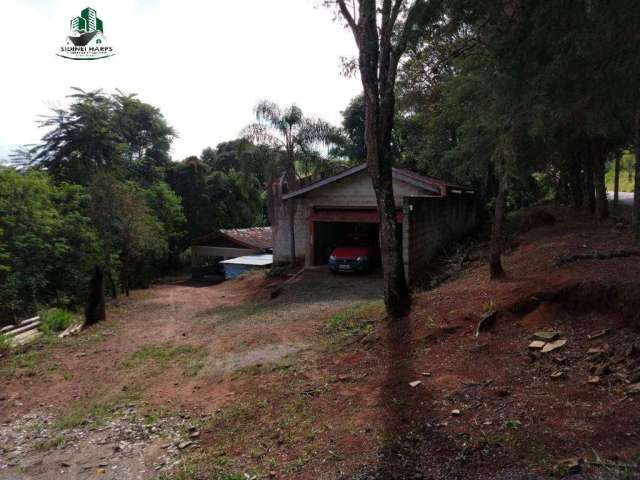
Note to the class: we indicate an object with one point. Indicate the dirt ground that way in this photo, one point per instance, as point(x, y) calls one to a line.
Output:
point(222, 382)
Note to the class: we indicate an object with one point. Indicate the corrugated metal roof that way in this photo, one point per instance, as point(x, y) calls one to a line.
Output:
point(253, 260)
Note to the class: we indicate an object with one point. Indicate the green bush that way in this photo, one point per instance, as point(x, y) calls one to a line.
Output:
point(55, 320)
point(5, 344)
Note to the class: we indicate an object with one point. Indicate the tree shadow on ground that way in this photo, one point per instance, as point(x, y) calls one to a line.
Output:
point(413, 447)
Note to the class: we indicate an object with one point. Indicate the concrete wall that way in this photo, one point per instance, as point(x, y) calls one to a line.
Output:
point(430, 224)
point(353, 191)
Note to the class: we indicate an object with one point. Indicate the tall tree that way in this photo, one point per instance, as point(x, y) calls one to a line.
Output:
point(382, 32)
point(296, 136)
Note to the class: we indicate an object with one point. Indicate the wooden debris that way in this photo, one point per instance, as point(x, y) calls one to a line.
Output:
point(557, 374)
point(72, 330)
point(455, 412)
point(415, 384)
point(537, 345)
point(550, 347)
point(634, 389)
point(597, 334)
point(593, 380)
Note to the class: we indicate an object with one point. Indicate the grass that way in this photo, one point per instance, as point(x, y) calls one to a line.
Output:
point(32, 361)
point(355, 320)
point(48, 444)
point(55, 320)
point(95, 412)
point(5, 343)
point(157, 358)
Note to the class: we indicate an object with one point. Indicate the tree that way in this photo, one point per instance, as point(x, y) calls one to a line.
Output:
point(128, 227)
point(100, 132)
point(47, 244)
point(382, 34)
point(289, 131)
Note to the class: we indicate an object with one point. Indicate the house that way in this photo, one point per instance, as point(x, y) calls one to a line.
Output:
point(432, 213)
point(209, 251)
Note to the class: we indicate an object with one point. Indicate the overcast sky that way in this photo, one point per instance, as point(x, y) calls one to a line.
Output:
point(204, 63)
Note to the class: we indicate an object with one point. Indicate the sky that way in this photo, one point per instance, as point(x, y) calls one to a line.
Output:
point(204, 63)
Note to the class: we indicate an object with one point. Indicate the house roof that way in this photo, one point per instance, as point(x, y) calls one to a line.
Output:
point(430, 184)
point(256, 238)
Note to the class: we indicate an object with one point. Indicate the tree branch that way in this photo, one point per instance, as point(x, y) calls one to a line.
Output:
point(348, 17)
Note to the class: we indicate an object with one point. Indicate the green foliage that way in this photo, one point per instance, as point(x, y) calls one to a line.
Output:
point(5, 343)
point(47, 243)
point(55, 320)
point(627, 173)
point(99, 131)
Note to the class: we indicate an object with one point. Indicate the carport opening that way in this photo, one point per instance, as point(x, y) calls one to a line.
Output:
point(329, 235)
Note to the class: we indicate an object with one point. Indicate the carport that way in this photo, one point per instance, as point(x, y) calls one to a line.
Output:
point(329, 227)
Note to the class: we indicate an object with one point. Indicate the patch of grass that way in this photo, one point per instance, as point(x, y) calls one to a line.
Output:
point(31, 361)
point(5, 344)
point(96, 412)
point(356, 319)
point(159, 357)
point(48, 444)
point(55, 320)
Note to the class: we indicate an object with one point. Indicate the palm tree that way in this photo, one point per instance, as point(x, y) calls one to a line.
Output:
point(298, 139)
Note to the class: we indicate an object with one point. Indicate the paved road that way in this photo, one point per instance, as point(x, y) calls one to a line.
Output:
point(626, 198)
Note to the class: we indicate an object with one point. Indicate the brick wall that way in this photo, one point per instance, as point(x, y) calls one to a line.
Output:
point(430, 224)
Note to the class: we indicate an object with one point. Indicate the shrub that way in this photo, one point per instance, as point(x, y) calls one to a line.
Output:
point(55, 320)
point(5, 344)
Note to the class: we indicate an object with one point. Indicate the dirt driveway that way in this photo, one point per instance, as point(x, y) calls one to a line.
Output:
point(125, 399)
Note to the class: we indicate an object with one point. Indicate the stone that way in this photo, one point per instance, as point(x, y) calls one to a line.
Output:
point(557, 374)
point(415, 384)
point(455, 412)
point(550, 347)
point(183, 445)
point(537, 345)
point(546, 335)
point(593, 380)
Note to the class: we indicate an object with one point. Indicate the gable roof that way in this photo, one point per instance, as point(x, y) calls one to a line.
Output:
point(256, 238)
point(429, 184)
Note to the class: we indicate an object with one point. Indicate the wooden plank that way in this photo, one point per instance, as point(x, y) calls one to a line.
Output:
point(26, 328)
point(29, 320)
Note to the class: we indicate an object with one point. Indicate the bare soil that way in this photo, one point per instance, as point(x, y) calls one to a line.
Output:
point(272, 392)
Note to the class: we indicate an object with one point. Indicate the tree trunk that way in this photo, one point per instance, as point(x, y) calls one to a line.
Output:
point(95, 311)
point(636, 189)
point(589, 196)
point(599, 155)
point(112, 284)
point(576, 182)
point(616, 183)
point(495, 260)
point(291, 185)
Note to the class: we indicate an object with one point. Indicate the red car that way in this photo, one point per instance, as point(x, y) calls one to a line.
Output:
point(353, 255)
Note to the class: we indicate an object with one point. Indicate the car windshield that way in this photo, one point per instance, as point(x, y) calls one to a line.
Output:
point(354, 242)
